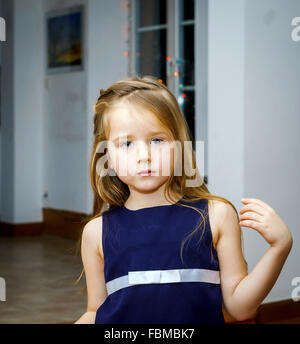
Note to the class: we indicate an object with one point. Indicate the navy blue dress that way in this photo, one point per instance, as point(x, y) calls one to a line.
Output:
point(146, 280)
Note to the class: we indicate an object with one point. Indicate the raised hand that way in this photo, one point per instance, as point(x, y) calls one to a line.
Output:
point(261, 217)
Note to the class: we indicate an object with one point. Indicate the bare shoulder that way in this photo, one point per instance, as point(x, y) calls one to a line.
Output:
point(219, 212)
point(92, 233)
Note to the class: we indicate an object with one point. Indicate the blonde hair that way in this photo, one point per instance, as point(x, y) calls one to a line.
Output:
point(149, 93)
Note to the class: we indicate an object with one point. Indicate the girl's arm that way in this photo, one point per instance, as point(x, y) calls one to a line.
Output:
point(94, 269)
point(243, 292)
point(87, 318)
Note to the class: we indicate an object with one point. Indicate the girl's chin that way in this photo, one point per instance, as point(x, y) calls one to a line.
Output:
point(145, 183)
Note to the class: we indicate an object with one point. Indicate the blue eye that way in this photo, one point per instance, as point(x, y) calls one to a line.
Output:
point(127, 143)
point(160, 140)
point(124, 143)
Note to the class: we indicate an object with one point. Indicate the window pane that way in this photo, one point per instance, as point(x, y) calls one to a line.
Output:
point(187, 101)
point(151, 12)
point(188, 9)
point(186, 71)
point(151, 54)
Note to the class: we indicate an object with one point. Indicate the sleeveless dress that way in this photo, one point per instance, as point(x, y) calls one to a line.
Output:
point(146, 280)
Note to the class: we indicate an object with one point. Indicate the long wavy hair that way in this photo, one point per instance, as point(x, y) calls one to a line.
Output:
point(109, 191)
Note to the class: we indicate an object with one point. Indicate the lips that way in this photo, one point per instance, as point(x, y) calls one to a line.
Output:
point(145, 173)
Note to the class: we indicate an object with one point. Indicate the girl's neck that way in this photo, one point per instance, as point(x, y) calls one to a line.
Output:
point(149, 201)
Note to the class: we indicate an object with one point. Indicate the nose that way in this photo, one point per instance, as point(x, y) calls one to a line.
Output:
point(143, 151)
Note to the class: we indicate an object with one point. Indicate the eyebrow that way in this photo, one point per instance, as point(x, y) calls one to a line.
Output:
point(130, 136)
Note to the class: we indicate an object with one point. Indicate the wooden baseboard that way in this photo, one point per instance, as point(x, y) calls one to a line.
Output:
point(64, 223)
point(8, 229)
point(67, 224)
point(285, 311)
point(278, 312)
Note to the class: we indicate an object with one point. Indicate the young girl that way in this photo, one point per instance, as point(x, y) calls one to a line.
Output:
point(159, 247)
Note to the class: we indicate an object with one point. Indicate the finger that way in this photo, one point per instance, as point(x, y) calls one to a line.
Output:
point(252, 224)
point(250, 215)
point(253, 207)
point(256, 201)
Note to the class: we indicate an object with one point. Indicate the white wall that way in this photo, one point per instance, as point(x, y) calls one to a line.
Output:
point(65, 117)
point(69, 101)
point(1, 90)
point(226, 42)
point(253, 116)
point(47, 129)
point(28, 110)
point(272, 122)
point(22, 105)
point(106, 61)
point(7, 118)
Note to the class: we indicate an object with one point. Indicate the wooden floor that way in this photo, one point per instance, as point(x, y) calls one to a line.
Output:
point(40, 272)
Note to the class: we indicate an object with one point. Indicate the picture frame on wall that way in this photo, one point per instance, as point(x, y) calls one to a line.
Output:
point(64, 40)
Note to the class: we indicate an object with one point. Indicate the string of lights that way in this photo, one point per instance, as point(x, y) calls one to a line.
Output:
point(127, 54)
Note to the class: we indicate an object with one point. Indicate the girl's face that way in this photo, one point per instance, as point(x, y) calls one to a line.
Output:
point(137, 142)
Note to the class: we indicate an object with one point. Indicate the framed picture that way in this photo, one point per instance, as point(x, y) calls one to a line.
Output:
point(64, 37)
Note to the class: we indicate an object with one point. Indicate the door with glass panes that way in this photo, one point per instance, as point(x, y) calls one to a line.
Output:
point(163, 45)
